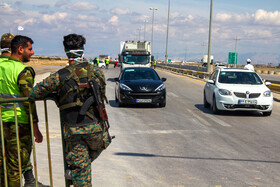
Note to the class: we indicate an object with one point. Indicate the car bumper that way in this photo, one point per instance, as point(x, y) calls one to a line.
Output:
point(232, 103)
point(142, 98)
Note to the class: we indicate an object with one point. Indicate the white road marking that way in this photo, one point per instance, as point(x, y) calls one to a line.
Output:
point(199, 118)
point(217, 120)
point(172, 94)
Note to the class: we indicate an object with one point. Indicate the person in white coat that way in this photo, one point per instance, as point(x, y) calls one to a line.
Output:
point(249, 66)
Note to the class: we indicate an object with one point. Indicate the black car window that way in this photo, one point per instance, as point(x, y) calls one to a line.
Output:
point(214, 76)
point(239, 78)
point(140, 74)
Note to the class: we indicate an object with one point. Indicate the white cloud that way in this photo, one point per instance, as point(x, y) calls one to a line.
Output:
point(82, 6)
point(24, 22)
point(119, 11)
point(6, 9)
point(226, 17)
point(114, 20)
point(267, 18)
point(53, 18)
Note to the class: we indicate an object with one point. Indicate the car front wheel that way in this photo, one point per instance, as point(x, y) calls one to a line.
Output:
point(214, 106)
point(205, 103)
point(163, 104)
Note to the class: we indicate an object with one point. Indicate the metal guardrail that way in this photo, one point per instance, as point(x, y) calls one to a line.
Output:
point(15, 101)
point(275, 85)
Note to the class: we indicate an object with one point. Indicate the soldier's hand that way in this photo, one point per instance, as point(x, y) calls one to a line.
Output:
point(37, 134)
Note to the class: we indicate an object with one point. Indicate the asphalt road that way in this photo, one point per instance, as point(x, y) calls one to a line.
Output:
point(180, 145)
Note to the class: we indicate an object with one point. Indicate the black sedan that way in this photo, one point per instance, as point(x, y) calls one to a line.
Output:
point(140, 85)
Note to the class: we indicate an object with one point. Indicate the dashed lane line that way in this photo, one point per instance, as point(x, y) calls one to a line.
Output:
point(221, 122)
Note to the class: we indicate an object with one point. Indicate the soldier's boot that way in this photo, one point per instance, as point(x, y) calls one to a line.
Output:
point(30, 180)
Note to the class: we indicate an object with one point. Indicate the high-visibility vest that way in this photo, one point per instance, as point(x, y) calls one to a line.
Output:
point(107, 61)
point(97, 60)
point(9, 71)
point(155, 62)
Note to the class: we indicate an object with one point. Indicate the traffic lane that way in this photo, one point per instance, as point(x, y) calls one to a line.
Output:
point(180, 144)
point(272, 78)
point(260, 132)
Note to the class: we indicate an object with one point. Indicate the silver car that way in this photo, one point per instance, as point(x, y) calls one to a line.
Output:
point(231, 89)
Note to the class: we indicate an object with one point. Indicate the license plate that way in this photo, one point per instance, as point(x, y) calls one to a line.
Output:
point(143, 100)
point(244, 101)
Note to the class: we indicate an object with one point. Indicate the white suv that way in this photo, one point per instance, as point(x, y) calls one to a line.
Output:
point(237, 89)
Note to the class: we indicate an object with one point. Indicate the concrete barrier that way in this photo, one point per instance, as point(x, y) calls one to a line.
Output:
point(206, 75)
point(274, 87)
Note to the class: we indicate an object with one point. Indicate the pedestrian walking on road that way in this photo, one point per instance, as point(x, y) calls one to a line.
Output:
point(78, 90)
point(107, 63)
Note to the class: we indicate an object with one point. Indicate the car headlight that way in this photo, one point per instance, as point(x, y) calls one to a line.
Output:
point(267, 93)
point(161, 87)
point(224, 92)
point(124, 87)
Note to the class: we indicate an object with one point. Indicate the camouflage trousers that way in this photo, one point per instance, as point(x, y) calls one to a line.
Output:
point(12, 163)
point(82, 150)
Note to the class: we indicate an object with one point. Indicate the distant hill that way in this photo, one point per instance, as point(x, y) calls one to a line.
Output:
point(257, 58)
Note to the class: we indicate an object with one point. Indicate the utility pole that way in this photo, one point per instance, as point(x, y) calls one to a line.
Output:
point(210, 38)
point(186, 54)
point(152, 44)
point(235, 58)
point(166, 51)
point(139, 33)
point(145, 30)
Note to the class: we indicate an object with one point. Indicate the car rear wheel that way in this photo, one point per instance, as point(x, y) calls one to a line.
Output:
point(205, 103)
point(267, 113)
point(214, 106)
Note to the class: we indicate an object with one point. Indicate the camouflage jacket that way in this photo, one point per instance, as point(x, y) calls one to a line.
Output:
point(50, 85)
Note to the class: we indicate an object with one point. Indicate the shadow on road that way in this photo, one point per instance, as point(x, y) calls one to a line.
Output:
point(194, 158)
point(111, 79)
point(229, 113)
point(114, 104)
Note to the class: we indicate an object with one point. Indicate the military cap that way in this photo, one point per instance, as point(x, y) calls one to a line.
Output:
point(6, 40)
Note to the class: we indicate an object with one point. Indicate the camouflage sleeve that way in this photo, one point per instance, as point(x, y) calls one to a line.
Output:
point(101, 77)
point(25, 84)
point(45, 88)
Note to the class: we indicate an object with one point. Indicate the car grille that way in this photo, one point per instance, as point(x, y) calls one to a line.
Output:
point(260, 107)
point(243, 95)
point(239, 94)
point(143, 95)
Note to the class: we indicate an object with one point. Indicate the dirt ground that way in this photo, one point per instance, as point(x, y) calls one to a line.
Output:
point(42, 65)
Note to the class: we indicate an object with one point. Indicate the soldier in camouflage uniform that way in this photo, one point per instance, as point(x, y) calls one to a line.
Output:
point(6, 40)
point(85, 135)
point(17, 81)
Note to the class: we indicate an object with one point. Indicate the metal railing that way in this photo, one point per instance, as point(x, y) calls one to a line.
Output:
point(15, 101)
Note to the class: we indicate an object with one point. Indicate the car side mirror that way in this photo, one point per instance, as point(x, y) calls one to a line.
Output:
point(210, 81)
point(117, 79)
point(163, 79)
point(267, 83)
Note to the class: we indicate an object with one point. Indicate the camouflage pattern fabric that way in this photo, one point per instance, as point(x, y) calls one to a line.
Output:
point(12, 154)
point(81, 151)
point(83, 143)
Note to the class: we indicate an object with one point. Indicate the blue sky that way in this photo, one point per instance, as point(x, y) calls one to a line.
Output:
point(105, 23)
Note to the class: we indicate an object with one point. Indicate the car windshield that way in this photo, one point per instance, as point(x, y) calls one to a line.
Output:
point(136, 59)
point(139, 74)
point(239, 78)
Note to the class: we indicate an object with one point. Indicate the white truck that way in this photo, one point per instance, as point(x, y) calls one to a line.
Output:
point(135, 53)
